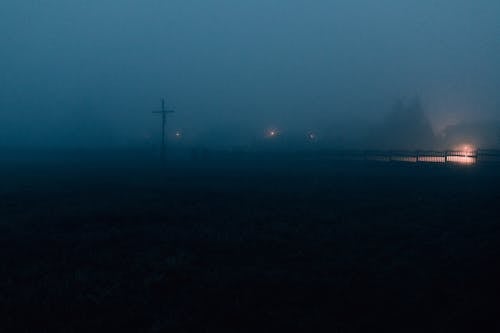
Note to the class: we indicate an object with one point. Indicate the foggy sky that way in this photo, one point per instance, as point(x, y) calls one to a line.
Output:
point(90, 72)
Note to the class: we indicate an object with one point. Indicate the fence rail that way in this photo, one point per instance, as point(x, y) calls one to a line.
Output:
point(417, 156)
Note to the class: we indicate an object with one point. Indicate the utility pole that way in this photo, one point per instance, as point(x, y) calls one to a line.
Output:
point(163, 113)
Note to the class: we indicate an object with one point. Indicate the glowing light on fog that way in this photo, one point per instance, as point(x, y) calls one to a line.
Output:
point(462, 159)
point(311, 136)
point(272, 133)
point(467, 149)
point(178, 134)
point(464, 154)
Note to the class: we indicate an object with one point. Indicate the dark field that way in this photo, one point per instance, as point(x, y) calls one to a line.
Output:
point(262, 245)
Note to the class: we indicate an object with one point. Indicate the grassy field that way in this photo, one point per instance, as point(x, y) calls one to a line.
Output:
point(262, 245)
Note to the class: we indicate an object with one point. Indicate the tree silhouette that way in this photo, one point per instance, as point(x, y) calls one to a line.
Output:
point(406, 127)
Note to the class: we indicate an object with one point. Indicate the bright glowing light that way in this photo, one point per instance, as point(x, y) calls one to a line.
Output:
point(467, 149)
point(464, 154)
point(461, 159)
point(178, 134)
point(272, 133)
point(311, 136)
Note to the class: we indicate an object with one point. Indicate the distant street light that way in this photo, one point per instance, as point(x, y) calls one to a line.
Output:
point(272, 133)
point(311, 136)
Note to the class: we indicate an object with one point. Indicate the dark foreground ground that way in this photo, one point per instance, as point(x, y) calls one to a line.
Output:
point(258, 246)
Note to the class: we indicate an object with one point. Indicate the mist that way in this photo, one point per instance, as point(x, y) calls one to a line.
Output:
point(89, 73)
point(249, 166)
